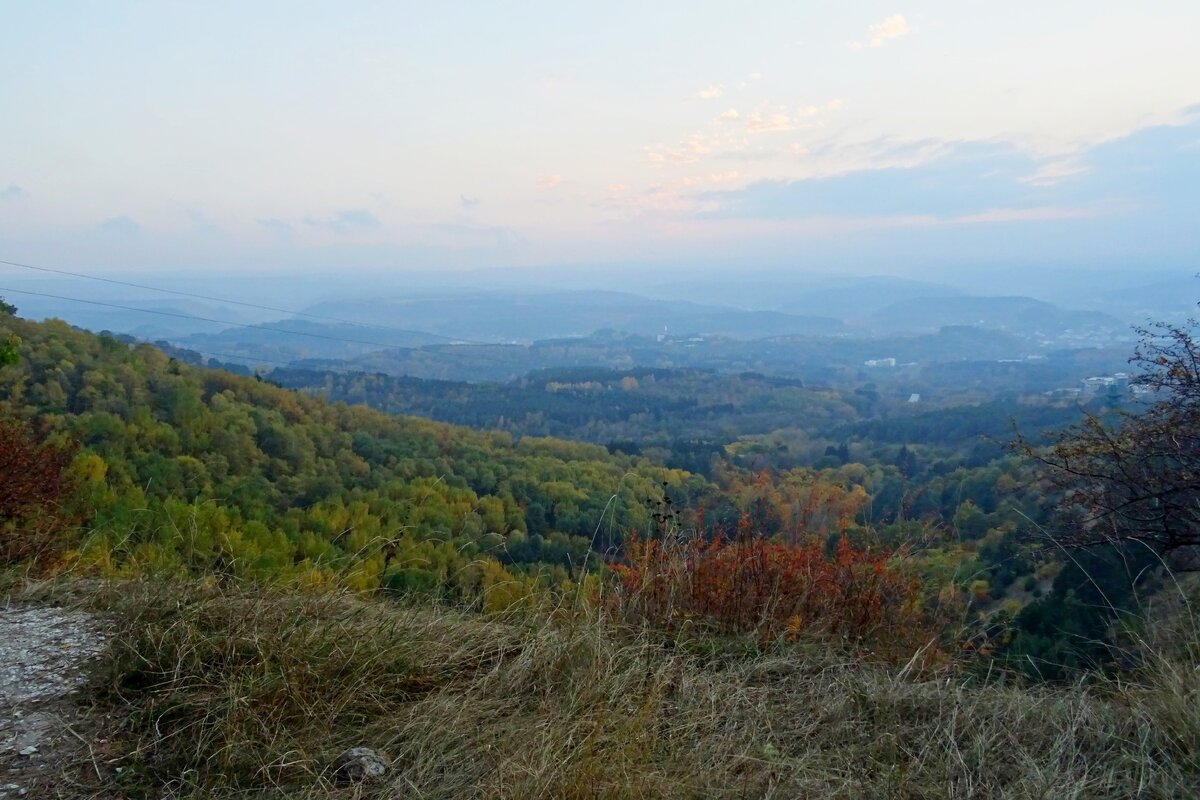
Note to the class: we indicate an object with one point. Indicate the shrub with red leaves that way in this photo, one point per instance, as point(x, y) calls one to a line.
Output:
point(772, 589)
point(33, 485)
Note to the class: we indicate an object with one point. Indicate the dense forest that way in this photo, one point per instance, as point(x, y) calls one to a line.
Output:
point(686, 416)
point(184, 467)
point(630, 409)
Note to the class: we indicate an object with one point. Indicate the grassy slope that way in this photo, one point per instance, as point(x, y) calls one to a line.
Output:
point(229, 692)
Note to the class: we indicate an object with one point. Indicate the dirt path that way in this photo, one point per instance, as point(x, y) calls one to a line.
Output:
point(43, 736)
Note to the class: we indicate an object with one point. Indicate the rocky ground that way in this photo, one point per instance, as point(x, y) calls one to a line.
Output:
point(45, 739)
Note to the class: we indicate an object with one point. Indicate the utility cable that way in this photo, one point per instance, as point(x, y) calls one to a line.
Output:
point(179, 315)
point(196, 296)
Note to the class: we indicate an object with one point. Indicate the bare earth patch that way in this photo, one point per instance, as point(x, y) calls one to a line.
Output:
point(43, 736)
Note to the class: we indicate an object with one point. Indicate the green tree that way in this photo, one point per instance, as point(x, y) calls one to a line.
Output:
point(8, 342)
point(8, 350)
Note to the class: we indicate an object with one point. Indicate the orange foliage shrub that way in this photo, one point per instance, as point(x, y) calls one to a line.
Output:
point(772, 589)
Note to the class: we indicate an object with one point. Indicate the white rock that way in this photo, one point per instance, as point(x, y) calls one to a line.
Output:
point(360, 764)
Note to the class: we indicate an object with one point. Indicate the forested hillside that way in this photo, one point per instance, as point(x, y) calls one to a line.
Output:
point(186, 467)
point(638, 408)
point(685, 417)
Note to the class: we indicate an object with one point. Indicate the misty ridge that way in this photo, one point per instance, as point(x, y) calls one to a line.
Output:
point(514, 310)
point(907, 337)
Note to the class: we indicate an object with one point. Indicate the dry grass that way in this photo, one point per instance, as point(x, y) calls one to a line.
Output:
point(226, 692)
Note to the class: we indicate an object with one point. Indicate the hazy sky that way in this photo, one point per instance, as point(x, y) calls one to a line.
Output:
point(881, 137)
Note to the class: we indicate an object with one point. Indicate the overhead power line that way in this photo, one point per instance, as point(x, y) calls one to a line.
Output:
point(196, 296)
point(179, 315)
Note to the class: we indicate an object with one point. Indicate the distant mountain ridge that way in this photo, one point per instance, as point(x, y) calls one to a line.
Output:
point(844, 298)
point(1019, 315)
point(528, 316)
point(291, 339)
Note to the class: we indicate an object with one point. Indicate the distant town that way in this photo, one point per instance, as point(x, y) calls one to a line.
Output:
point(1117, 385)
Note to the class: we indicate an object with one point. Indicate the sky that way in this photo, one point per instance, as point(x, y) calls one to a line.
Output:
point(876, 138)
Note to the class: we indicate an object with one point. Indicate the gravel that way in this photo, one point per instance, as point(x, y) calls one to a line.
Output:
point(43, 654)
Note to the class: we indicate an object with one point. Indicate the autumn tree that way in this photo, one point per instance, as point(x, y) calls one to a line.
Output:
point(33, 485)
point(1134, 476)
